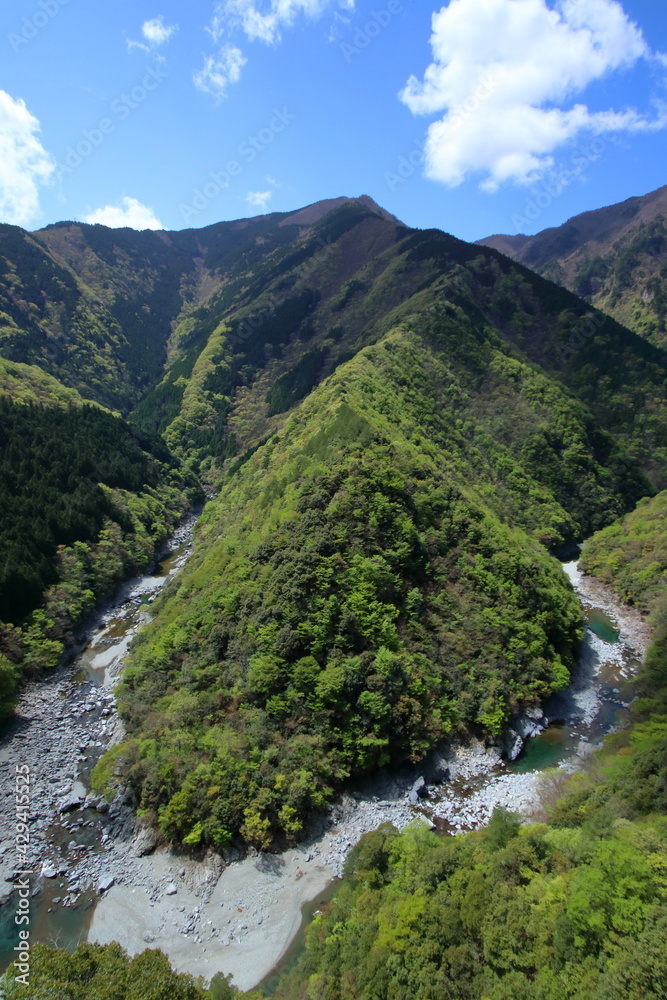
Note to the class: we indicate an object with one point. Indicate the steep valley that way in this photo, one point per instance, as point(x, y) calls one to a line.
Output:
point(401, 436)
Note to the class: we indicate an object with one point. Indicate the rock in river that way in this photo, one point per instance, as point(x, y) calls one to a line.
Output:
point(105, 883)
point(70, 802)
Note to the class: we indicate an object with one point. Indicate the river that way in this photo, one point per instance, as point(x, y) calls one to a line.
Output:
point(247, 920)
point(62, 726)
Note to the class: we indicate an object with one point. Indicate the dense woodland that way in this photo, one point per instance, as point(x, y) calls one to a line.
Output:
point(357, 594)
point(371, 578)
point(571, 909)
point(84, 505)
point(631, 554)
point(403, 430)
point(574, 909)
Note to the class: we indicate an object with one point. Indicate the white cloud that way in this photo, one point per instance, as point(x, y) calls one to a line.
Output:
point(264, 19)
point(219, 71)
point(258, 20)
point(155, 32)
point(259, 199)
point(130, 213)
point(24, 163)
point(505, 73)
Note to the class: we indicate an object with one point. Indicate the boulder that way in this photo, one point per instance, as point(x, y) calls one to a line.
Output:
point(105, 883)
point(530, 723)
point(144, 843)
point(418, 792)
point(512, 744)
point(70, 802)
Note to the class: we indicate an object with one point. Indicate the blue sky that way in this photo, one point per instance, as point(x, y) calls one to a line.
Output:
point(473, 116)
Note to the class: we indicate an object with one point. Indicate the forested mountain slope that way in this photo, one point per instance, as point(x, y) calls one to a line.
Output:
point(262, 344)
point(631, 555)
point(400, 425)
point(574, 909)
point(615, 258)
point(571, 909)
point(401, 428)
point(357, 593)
point(85, 501)
point(364, 583)
point(131, 318)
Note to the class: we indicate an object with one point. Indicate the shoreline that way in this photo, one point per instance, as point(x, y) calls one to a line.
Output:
point(635, 627)
point(240, 917)
point(62, 724)
point(218, 929)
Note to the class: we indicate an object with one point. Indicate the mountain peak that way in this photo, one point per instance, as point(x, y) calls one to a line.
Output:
point(613, 257)
point(311, 214)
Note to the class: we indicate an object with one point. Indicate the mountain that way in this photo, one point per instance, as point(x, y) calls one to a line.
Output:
point(208, 337)
point(96, 307)
point(615, 258)
point(567, 908)
point(398, 422)
point(401, 428)
point(86, 500)
point(631, 555)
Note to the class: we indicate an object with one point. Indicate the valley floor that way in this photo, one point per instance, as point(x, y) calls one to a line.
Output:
point(242, 918)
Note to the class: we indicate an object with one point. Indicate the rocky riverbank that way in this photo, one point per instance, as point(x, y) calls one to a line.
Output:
point(635, 629)
point(239, 915)
point(62, 725)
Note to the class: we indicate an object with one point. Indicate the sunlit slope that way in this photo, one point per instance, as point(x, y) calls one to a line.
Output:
point(359, 590)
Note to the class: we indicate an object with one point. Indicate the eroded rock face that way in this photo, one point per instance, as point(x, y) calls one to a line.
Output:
point(418, 791)
point(144, 843)
point(523, 727)
point(531, 723)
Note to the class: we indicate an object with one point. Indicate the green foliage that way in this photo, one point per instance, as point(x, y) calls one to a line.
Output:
point(296, 383)
point(104, 972)
point(352, 602)
point(572, 909)
point(631, 554)
point(541, 913)
point(84, 504)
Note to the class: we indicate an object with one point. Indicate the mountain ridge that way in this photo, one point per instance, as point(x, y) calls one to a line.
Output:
point(614, 257)
point(401, 427)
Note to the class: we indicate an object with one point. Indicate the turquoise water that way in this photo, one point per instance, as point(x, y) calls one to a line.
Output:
point(64, 926)
point(559, 740)
point(309, 910)
point(546, 750)
point(602, 625)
